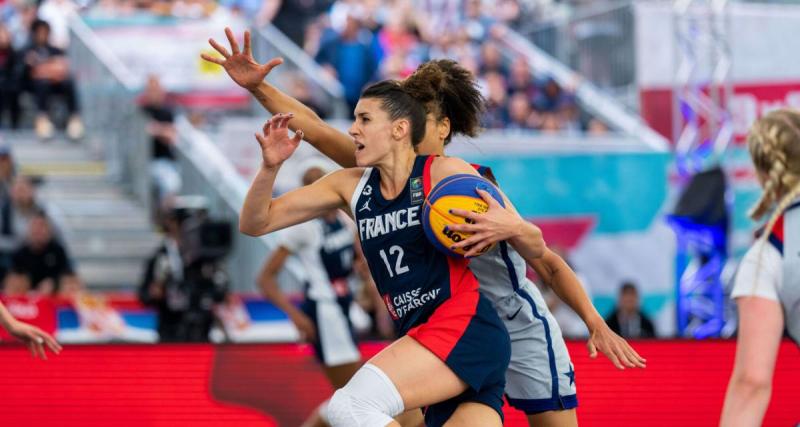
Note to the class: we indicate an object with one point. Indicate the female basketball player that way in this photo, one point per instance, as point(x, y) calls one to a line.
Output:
point(455, 349)
point(767, 286)
point(35, 338)
point(325, 247)
point(540, 380)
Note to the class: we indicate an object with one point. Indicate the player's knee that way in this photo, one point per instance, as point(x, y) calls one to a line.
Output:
point(368, 400)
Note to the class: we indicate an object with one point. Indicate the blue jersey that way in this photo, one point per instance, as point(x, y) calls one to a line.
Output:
point(337, 249)
point(411, 275)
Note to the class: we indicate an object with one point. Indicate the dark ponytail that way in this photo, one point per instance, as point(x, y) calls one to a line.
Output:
point(398, 103)
point(447, 89)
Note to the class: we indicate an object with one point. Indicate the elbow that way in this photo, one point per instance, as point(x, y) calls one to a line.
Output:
point(250, 229)
point(752, 383)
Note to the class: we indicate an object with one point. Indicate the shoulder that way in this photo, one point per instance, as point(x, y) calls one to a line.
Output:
point(442, 167)
point(760, 273)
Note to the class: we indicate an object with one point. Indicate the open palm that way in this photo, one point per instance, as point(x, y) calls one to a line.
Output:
point(240, 65)
point(276, 145)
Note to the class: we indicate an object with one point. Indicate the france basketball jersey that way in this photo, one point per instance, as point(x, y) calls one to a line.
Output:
point(412, 276)
point(337, 253)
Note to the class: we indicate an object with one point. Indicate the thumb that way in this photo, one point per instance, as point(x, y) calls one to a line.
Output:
point(272, 63)
point(592, 350)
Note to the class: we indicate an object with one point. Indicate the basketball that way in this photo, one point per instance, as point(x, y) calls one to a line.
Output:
point(454, 192)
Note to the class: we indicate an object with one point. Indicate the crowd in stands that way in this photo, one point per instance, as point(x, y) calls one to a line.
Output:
point(33, 63)
point(359, 42)
point(32, 256)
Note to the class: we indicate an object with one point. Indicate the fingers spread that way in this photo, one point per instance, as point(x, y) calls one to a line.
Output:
point(464, 214)
point(219, 48)
point(247, 46)
point(213, 59)
point(232, 40)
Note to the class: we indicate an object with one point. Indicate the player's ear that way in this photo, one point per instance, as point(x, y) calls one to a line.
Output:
point(401, 128)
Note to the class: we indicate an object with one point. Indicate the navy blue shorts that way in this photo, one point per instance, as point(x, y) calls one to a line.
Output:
point(467, 335)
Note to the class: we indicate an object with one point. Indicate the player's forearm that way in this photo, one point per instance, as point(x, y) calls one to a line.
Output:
point(334, 144)
point(557, 274)
point(528, 240)
point(255, 216)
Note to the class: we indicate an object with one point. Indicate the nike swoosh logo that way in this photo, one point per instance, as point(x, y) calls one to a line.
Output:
point(514, 315)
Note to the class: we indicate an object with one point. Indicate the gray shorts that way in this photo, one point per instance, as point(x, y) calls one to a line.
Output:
point(540, 376)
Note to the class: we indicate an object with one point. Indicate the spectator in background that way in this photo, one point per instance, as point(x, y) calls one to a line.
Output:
point(496, 115)
point(520, 79)
point(163, 167)
point(299, 89)
point(291, 16)
point(42, 263)
point(48, 75)
point(596, 127)
point(16, 213)
point(11, 69)
point(57, 13)
point(628, 320)
point(476, 24)
point(491, 60)
point(350, 56)
point(18, 16)
point(520, 115)
point(551, 98)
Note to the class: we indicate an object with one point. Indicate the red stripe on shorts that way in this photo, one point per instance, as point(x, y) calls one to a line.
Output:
point(442, 331)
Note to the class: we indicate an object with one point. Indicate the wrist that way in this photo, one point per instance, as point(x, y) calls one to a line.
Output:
point(594, 322)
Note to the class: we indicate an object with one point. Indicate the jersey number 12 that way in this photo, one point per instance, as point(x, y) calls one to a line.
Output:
point(399, 268)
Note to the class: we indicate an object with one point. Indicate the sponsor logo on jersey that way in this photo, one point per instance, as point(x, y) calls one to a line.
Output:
point(382, 225)
point(402, 304)
point(387, 300)
point(417, 195)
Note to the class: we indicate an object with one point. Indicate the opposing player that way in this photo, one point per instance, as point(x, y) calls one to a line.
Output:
point(325, 247)
point(767, 285)
point(36, 339)
point(540, 379)
point(454, 350)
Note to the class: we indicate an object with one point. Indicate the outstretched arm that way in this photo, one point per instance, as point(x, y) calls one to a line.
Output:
point(249, 74)
point(500, 223)
point(261, 214)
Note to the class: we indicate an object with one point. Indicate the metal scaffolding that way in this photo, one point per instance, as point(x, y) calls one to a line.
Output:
point(702, 129)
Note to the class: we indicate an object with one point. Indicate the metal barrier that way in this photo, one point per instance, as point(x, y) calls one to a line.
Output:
point(589, 96)
point(108, 96)
point(598, 42)
point(269, 42)
point(115, 124)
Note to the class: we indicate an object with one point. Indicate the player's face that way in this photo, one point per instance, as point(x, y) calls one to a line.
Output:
point(371, 132)
point(435, 133)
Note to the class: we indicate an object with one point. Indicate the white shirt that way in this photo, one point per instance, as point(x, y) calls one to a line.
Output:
point(765, 283)
point(305, 242)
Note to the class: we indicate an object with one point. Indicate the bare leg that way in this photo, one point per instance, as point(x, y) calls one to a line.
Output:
point(565, 417)
point(471, 414)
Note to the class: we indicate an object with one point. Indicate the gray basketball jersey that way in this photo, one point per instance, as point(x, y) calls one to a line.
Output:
point(789, 293)
point(498, 270)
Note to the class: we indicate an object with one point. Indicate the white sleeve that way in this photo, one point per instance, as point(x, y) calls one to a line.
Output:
point(770, 276)
point(297, 237)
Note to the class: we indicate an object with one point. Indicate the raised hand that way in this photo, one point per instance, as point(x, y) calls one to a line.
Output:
point(240, 65)
point(276, 145)
point(613, 346)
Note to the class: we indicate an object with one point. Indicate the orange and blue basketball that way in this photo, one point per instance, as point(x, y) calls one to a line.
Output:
point(454, 192)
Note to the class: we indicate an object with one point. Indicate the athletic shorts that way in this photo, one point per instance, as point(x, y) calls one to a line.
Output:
point(540, 376)
point(467, 335)
point(335, 344)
